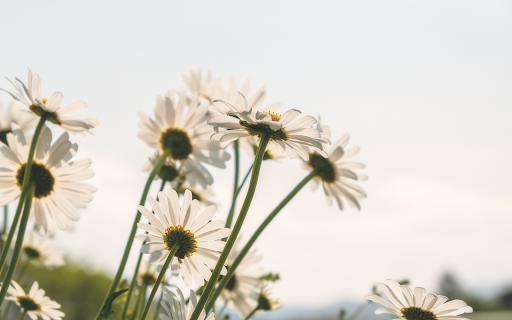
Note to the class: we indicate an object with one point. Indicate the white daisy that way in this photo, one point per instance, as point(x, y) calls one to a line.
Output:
point(203, 195)
point(418, 304)
point(7, 115)
point(35, 303)
point(175, 306)
point(58, 180)
point(148, 274)
point(335, 173)
point(32, 96)
point(288, 133)
point(43, 250)
point(180, 128)
point(243, 285)
point(195, 234)
point(266, 302)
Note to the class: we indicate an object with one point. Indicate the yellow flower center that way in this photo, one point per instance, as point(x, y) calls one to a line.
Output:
point(415, 313)
point(41, 176)
point(275, 116)
point(184, 238)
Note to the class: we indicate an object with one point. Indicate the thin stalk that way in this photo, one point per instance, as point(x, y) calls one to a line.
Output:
point(12, 231)
point(143, 290)
point(131, 237)
point(254, 237)
point(23, 314)
point(19, 242)
point(245, 179)
point(359, 309)
point(174, 249)
point(155, 317)
point(4, 226)
point(136, 272)
point(236, 147)
point(251, 314)
point(236, 229)
point(24, 186)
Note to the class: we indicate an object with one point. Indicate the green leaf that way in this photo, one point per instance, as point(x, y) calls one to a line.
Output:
point(107, 311)
point(272, 277)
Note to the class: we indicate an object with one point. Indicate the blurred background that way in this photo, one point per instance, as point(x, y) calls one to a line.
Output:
point(423, 87)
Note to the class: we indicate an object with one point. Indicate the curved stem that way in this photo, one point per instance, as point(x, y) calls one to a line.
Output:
point(229, 220)
point(174, 249)
point(131, 237)
point(23, 314)
point(359, 309)
point(137, 267)
point(236, 229)
point(251, 314)
point(24, 187)
point(4, 226)
point(12, 231)
point(157, 310)
point(254, 237)
point(19, 242)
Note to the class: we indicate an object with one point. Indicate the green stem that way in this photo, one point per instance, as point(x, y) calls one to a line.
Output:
point(236, 147)
point(157, 310)
point(129, 243)
point(174, 249)
point(4, 226)
point(359, 309)
point(143, 290)
point(254, 237)
point(19, 243)
point(12, 231)
point(251, 314)
point(24, 187)
point(236, 229)
point(23, 314)
point(137, 267)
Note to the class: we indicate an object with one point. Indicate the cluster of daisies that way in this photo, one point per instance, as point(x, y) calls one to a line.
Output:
point(182, 239)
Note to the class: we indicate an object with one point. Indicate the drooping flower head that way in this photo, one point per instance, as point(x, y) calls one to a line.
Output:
point(266, 302)
point(335, 173)
point(407, 304)
point(195, 234)
point(180, 129)
point(244, 285)
point(288, 132)
point(31, 95)
point(34, 302)
point(58, 180)
point(42, 250)
point(7, 115)
point(175, 306)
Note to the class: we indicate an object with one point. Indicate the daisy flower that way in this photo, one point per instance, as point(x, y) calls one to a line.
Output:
point(34, 303)
point(250, 145)
point(42, 249)
point(288, 133)
point(407, 304)
point(195, 234)
point(32, 96)
point(335, 173)
point(181, 129)
point(266, 302)
point(175, 306)
point(58, 179)
point(244, 283)
point(148, 274)
point(203, 195)
point(7, 115)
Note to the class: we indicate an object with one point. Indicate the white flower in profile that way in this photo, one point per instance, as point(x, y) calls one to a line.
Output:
point(242, 287)
point(31, 95)
point(266, 302)
point(35, 303)
point(407, 304)
point(196, 235)
point(7, 115)
point(175, 306)
point(335, 173)
point(288, 133)
point(58, 180)
point(42, 250)
point(180, 128)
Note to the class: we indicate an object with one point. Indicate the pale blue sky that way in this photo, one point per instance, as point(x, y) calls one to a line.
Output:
point(423, 87)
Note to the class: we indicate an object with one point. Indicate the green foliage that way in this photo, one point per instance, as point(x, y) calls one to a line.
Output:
point(107, 311)
point(342, 315)
point(76, 287)
point(272, 277)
